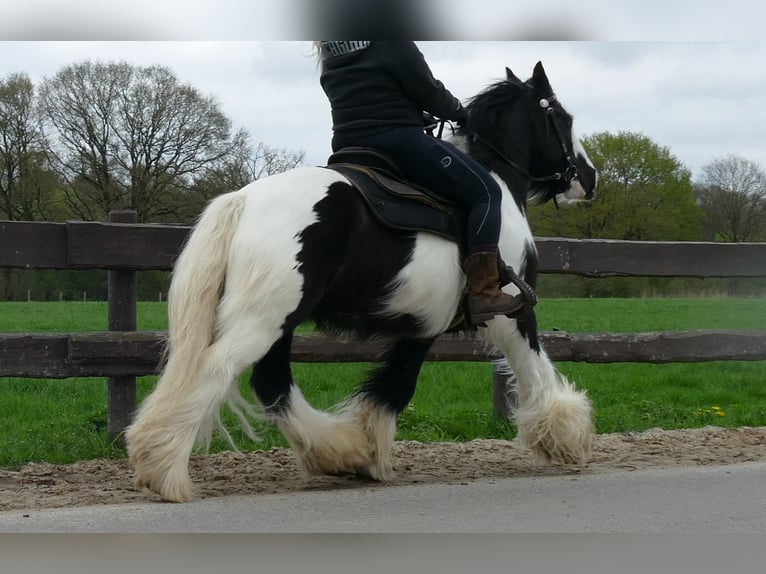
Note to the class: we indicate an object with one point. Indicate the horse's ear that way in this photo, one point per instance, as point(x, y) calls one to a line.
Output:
point(540, 80)
point(510, 76)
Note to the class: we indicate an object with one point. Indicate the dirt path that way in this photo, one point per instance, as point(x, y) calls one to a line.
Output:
point(94, 482)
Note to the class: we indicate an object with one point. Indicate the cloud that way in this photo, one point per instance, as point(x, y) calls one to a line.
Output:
point(700, 99)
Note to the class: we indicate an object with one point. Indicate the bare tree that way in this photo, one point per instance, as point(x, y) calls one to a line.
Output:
point(128, 137)
point(266, 160)
point(246, 164)
point(732, 194)
point(27, 187)
point(251, 163)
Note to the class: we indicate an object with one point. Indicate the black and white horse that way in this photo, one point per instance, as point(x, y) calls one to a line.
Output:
point(302, 245)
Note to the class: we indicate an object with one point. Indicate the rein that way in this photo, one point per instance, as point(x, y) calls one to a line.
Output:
point(569, 173)
point(553, 177)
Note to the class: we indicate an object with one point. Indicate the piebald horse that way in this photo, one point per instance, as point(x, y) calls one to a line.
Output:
point(303, 245)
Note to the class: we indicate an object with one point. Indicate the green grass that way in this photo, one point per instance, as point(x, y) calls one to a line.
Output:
point(637, 315)
point(583, 315)
point(65, 420)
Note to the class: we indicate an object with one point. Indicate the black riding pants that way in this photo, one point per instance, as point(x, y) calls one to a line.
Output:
point(440, 166)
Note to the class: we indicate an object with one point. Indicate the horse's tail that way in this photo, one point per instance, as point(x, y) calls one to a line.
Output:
point(197, 283)
point(178, 410)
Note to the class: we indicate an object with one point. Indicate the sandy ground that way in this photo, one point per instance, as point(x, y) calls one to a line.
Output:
point(93, 482)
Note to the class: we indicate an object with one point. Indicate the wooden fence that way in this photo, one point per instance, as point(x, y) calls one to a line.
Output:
point(122, 353)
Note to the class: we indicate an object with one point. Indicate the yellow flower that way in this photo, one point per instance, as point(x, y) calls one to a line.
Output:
point(711, 411)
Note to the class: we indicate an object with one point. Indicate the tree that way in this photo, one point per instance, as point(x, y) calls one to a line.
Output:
point(248, 164)
point(644, 193)
point(244, 165)
point(128, 137)
point(27, 187)
point(732, 195)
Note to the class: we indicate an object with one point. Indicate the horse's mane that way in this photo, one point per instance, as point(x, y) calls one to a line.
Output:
point(486, 108)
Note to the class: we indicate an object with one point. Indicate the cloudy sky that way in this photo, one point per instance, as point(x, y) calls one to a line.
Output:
point(687, 83)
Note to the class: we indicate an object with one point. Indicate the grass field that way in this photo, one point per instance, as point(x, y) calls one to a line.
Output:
point(65, 420)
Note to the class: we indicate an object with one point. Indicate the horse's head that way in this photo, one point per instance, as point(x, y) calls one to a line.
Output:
point(557, 148)
point(521, 129)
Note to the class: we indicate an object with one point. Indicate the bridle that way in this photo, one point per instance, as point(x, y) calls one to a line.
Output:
point(570, 172)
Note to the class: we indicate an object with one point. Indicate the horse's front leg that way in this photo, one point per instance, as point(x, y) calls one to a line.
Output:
point(552, 417)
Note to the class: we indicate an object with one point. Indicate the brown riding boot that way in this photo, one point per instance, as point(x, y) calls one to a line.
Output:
point(485, 299)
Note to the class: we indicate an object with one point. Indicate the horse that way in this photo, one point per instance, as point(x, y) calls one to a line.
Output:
point(303, 246)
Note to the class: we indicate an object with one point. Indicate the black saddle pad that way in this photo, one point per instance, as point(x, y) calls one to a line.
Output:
point(395, 202)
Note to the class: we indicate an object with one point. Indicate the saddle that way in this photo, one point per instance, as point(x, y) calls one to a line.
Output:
point(393, 201)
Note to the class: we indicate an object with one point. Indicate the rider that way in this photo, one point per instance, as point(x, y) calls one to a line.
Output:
point(378, 92)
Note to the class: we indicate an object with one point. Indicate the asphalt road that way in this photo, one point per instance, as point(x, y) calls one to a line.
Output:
point(699, 499)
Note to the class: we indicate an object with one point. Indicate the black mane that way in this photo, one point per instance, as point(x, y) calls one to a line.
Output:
point(490, 103)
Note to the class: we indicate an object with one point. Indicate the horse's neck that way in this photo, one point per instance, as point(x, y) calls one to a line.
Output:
point(515, 184)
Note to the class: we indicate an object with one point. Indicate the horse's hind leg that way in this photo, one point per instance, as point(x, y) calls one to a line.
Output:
point(323, 443)
point(182, 411)
point(357, 438)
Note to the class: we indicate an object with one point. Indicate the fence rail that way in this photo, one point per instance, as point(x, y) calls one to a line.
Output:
point(122, 353)
point(116, 354)
point(120, 246)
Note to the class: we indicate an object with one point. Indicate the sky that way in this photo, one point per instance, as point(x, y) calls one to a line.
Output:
point(684, 80)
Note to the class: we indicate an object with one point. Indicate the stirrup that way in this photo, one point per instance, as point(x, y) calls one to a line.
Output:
point(480, 319)
point(527, 293)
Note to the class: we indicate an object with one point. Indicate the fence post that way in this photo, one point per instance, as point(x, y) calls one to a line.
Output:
point(504, 397)
point(122, 293)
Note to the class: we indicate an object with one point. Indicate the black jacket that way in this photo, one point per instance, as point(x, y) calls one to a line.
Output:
point(377, 85)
